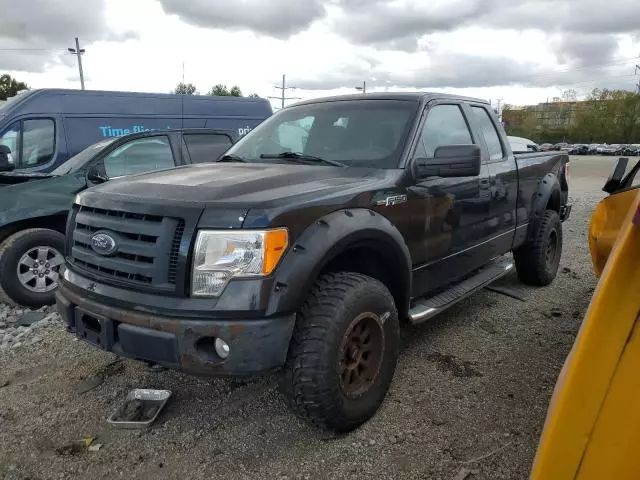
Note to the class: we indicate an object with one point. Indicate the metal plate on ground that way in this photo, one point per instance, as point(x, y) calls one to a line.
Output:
point(140, 408)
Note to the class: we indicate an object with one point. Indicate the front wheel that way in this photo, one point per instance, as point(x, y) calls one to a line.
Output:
point(343, 352)
point(29, 264)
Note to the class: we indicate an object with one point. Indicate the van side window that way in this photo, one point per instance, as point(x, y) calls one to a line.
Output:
point(445, 125)
point(139, 156)
point(10, 137)
point(491, 137)
point(38, 142)
point(203, 148)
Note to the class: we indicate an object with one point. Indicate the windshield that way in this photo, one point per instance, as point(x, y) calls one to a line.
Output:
point(78, 161)
point(355, 133)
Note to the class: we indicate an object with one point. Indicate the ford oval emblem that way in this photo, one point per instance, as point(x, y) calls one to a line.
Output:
point(103, 244)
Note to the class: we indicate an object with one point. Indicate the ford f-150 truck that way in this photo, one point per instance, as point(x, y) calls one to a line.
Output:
point(310, 241)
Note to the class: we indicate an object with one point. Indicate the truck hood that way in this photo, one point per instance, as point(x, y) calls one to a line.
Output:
point(38, 197)
point(244, 185)
point(13, 178)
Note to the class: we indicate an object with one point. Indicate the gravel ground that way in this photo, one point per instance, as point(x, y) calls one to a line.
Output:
point(470, 392)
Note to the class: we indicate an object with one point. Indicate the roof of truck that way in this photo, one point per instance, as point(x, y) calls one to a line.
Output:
point(407, 96)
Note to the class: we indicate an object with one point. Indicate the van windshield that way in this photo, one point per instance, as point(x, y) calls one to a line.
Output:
point(78, 161)
point(352, 133)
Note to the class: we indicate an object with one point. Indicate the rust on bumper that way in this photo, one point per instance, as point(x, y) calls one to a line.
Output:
point(256, 345)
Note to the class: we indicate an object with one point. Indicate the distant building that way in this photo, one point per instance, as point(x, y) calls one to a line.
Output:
point(543, 116)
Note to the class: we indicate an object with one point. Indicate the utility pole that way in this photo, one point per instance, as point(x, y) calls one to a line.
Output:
point(499, 107)
point(78, 51)
point(638, 85)
point(284, 89)
point(363, 88)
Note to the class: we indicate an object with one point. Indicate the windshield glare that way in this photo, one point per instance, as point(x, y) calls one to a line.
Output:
point(78, 161)
point(356, 133)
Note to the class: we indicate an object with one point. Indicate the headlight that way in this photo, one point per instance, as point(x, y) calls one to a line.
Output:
point(222, 255)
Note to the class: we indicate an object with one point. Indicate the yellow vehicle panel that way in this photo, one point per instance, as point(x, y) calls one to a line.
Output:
point(592, 430)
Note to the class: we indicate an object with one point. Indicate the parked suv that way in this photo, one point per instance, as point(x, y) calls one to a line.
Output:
point(34, 206)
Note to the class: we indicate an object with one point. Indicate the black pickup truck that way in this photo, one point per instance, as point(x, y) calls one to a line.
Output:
point(309, 243)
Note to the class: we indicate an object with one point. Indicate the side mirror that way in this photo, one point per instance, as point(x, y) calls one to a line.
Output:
point(615, 179)
point(96, 173)
point(451, 161)
point(6, 160)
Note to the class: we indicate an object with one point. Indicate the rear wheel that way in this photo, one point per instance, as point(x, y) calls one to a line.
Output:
point(537, 261)
point(343, 352)
point(30, 261)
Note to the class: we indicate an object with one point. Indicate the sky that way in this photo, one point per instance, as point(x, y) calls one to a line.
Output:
point(509, 51)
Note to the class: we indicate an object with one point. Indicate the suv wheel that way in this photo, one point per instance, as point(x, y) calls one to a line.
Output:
point(343, 352)
point(29, 264)
point(537, 261)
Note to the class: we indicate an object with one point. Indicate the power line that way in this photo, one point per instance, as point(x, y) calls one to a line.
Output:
point(78, 52)
point(284, 89)
point(30, 49)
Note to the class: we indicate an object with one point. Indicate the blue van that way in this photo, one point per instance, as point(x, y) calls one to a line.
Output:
point(44, 128)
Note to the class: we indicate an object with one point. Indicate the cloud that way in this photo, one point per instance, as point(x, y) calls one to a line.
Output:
point(34, 34)
point(581, 49)
point(399, 26)
point(276, 18)
point(459, 70)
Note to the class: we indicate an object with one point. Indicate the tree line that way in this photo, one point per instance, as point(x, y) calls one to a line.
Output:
point(9, 87)
point(606, 116)
point(219, 90)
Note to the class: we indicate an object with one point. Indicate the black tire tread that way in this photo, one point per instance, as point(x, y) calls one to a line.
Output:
point(530, 258)
point(5, 245)
point(310, 399)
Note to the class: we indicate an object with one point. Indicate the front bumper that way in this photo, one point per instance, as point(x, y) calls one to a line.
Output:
point(256, 345)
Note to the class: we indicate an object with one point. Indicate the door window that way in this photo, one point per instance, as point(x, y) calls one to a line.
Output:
point(32, 142)
point(204, 148)
point(445, 125)
point(38, 142)
point(139, 156)
point(10, 138)
point(491, 137)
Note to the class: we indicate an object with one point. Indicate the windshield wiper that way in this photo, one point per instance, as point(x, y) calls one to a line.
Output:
point(300, 158)
point(231, 158)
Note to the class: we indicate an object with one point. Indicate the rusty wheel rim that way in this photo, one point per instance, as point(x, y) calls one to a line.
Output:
point(361, 354)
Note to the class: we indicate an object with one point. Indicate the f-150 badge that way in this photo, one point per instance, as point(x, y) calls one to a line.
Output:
point(394, 200)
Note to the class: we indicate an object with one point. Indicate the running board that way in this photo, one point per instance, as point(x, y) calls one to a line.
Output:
point(424, 309)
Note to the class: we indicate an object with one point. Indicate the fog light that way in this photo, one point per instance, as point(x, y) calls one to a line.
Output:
point(222, 348)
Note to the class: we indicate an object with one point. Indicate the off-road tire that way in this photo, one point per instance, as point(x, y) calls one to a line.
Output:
point(11, 250)
point(533, 264)
point(311, 381)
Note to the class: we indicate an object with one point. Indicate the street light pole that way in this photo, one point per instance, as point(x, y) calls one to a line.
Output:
point(78, 52)
point(363, 88)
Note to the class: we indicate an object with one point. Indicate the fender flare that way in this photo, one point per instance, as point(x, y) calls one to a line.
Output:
point(324, 240)
point(548, 189)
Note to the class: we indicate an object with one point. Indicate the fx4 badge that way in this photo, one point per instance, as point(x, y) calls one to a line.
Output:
point(389, 201)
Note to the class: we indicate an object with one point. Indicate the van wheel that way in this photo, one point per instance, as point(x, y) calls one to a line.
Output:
point(343, 352)
point(537, 261)
point(29, 264)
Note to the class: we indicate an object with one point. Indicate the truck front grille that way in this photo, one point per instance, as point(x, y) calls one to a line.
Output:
point(146, 246)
